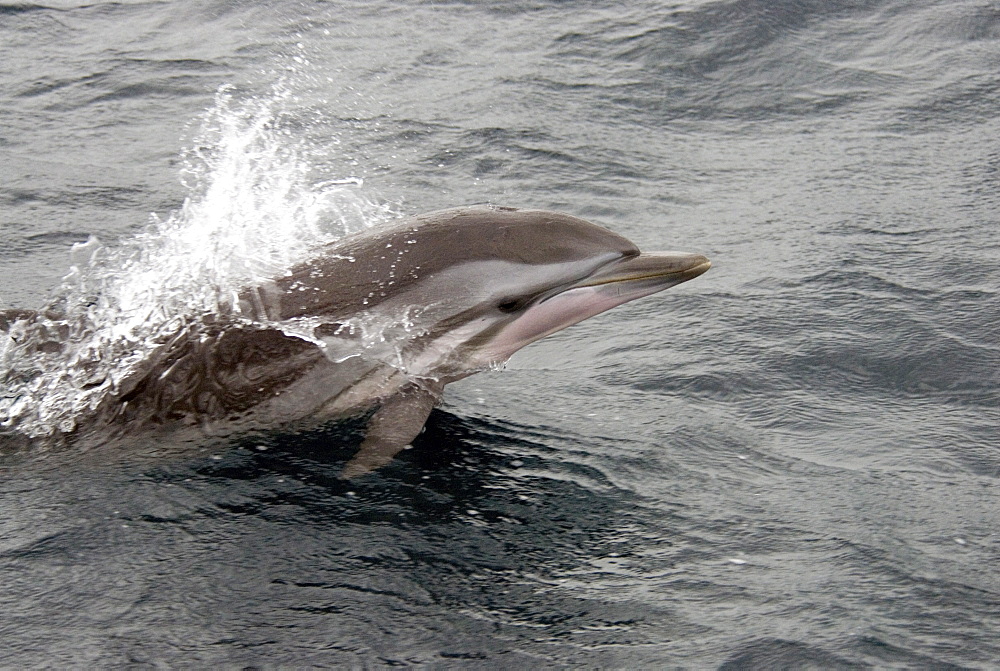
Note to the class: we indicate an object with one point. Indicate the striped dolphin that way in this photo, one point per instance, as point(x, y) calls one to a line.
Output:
point(379, 322)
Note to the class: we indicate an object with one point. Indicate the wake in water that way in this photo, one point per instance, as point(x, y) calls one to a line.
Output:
point(253, 211)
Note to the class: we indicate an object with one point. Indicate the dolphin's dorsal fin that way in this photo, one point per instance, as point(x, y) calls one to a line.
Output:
point(393, 426)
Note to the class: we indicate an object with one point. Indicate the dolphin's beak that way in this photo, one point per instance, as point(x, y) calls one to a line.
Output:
point(617, 282)
point(663, 269)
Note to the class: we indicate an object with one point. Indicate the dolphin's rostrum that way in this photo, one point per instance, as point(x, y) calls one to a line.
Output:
point(385, 319)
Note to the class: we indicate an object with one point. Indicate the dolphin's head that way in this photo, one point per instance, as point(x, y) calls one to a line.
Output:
point(534, 314)
point(474, 285)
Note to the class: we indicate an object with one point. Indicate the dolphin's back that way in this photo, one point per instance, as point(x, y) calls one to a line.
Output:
point(357, 272)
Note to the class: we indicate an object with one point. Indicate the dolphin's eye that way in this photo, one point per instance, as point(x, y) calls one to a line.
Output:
point(511, 304)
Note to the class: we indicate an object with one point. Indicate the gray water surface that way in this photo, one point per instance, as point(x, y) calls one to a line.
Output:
point(790, 462)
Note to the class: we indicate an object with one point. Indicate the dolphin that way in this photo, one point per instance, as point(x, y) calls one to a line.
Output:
point(380, 321)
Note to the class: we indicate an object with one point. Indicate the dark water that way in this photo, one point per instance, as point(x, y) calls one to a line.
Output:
point(791, 462)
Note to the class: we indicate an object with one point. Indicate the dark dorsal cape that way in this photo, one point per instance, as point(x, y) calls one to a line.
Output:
point(355, 273)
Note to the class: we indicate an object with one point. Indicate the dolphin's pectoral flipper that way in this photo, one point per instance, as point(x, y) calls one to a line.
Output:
point(392, 427)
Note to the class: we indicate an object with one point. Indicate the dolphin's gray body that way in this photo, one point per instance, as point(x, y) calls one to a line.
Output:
point(385, 319)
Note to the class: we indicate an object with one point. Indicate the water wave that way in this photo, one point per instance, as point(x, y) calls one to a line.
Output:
point(255, 208)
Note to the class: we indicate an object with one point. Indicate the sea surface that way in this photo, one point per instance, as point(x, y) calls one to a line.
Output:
point(792, 461)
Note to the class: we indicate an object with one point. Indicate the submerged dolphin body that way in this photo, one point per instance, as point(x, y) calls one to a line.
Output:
point(386, 318)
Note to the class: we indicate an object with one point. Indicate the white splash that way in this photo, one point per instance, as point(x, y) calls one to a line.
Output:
point(254, 209)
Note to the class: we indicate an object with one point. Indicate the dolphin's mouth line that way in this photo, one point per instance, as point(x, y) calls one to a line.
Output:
point(698, 265)
point(614, 274)
point(688, 273)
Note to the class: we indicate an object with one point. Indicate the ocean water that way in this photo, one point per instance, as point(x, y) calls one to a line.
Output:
point(790, 462)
